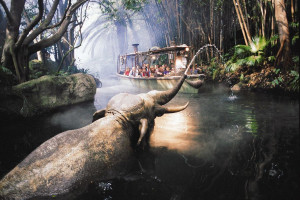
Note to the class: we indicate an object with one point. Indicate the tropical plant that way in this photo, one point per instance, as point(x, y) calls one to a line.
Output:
point(294, 84)
point(6, 76)
point(252, 55)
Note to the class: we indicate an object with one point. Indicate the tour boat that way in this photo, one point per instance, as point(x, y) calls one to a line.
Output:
point(175, 57)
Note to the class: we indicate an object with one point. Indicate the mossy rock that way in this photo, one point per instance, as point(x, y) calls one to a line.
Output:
point(35, 65)
point(50, 92)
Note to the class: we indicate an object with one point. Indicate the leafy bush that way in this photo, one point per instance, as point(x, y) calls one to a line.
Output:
point(294, 84)
point(253, 55)
point(6, 76)
point(71, 70)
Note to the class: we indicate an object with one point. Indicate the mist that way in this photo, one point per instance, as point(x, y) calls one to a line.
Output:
point(100, 47)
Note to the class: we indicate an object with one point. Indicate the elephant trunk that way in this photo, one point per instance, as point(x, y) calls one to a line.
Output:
point(195, 84)
point(164, 97)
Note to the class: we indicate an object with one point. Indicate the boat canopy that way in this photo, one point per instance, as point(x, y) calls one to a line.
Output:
point(183, 47)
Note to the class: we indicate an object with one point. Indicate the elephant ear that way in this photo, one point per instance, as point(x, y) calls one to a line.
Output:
point(98, 114)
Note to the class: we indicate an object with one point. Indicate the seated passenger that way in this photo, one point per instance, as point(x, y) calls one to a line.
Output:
point(127, 71)
point(145, 73)
point(160, 71)
point(167, 71)
point(133, 72)
point(140, 72)
point(152, 71)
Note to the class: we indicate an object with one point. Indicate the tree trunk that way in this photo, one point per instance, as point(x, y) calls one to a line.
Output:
point(240, 21)
point(9, 54)
point(243, 21)
point(284, 53)
point(122, 35)
point(19, 46)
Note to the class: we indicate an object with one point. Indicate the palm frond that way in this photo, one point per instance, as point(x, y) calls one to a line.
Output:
point(258, 44)
point(250, 61)
point(242, 50)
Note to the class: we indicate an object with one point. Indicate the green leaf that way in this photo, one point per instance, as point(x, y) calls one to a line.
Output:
point(295, 38)
point(271, 58)
point(294, 73)
point(251, 61)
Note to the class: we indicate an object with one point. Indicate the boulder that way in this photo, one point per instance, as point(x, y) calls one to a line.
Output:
point(236, 87)
point(50, 92)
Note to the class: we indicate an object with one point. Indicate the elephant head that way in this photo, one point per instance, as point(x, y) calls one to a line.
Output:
point(141, 110)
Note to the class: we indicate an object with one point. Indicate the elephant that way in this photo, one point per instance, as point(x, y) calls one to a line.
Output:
point(99, 151)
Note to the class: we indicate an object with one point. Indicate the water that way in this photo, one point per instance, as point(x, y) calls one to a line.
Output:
point(223, 146)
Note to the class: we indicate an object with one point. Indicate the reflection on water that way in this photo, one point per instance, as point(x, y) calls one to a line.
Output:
point(223, 146)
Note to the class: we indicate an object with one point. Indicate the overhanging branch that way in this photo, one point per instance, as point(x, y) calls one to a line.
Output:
point(45, 23)
point(62, 29)
point(31, 24)
point(63, 18)
point(8, 14)
point(79, 34)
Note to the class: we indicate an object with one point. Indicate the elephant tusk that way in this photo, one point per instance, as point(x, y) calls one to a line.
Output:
point(160, 110)
point(143, 129)
point(176, 109)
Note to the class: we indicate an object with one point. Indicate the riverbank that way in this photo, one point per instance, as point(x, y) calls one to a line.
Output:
point(267, 79)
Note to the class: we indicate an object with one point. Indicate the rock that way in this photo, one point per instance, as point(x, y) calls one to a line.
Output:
point(236, 87)
point(98, 82)
point(10, 106)
point(50, 92)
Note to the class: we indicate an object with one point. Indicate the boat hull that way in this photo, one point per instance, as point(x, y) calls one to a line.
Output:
point(159, 83)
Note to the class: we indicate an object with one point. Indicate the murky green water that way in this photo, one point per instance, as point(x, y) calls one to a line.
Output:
point(223, 146)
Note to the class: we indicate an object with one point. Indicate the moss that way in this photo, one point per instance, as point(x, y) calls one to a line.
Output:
point(35, 64)
point(49, 92)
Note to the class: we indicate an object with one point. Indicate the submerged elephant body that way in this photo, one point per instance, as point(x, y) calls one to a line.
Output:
point(69, 159)
point(98, 151)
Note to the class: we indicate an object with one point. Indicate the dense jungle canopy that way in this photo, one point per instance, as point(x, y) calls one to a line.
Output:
point(257, 39)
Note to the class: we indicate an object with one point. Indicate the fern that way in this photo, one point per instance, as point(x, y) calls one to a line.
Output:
point(5, 70)
point(252, 55)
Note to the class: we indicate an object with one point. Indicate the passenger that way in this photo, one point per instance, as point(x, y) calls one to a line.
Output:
point(134, 72)
point(167, 71)
point(160, 71)
point(196, 69)
point(172, 72)
point(145, 73)
point(127, 71)
point(152, 71)
point(140, 73)
point(191, 70)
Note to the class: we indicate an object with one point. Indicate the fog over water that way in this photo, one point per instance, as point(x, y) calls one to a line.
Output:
point(99, 50)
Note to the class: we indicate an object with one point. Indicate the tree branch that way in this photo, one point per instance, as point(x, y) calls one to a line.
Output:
point(62, 29)
point(32, 24)
point(63, 18)
point(73, 47)
point(45, 23)
point(8, 14)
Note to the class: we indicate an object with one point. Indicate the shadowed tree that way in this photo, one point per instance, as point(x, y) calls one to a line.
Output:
point(284, 52)
point(19, 43)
